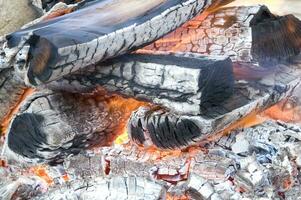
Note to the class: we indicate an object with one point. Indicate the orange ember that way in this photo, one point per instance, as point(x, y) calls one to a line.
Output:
point(5, 123)
point(250, 120)
point(287, 110)
point(41, 171)
point(125, 107)
point(171, 197)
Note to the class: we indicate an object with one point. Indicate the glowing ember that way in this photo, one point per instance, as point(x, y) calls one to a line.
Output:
point(5, 123)
point(287, 111)
point(250, 120)
point(122, 139)
point(123, 107)
point(41, 171)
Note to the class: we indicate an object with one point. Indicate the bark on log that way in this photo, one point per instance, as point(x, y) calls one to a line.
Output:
point(65, 44)
point(246, 34)
point(52, 125)
point(182, 83)
point(168, 130)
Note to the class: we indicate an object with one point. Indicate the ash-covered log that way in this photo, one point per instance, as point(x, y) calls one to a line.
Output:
point(97, 31)
point(246, 34)
point(51, 125)
point(182, 83)
point(167, 130)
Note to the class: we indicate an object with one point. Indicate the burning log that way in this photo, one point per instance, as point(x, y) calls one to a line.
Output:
point(246, 34)
point(165, 129)
point(48, 50)
point(182, 83)
point(52, 125)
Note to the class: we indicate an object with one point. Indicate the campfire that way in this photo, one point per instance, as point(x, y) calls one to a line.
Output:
point(161, 99)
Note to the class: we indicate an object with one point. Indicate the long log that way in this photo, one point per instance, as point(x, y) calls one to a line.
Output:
point(165, 129)
point(65, 44)
point(182, 83)
point(246, 34)
point(51, 125)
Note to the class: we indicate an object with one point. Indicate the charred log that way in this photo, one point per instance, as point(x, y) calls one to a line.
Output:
point(246, 34)
point(168, 130)
point(65, 44)
point(50, 125)
point(182, 83)
point(11, 91)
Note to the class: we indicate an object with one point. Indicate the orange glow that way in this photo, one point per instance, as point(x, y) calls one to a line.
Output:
point(250, 120)
point(121, 108)
point(287, 111)
point(122, 139)
point(5, 123)
point(66, 177)
point(171, 197)
point(41, 171)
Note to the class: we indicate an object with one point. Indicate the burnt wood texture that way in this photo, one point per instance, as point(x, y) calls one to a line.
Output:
point(97, 31)
point(246, 34)
point(183, 83)
point(167, 130)
point(52, 125)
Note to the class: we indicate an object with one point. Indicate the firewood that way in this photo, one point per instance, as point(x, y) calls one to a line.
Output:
point(182, 83)
point(167, 130)
point(65, 44)
point(246, 34)
point(52, 125)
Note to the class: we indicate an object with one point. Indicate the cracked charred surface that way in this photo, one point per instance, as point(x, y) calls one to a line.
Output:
point(166, 129)
point(183, 83)
point(43, 55)
point(260, 162)
point(52, 125)
point(11, 90)
point(246, 34)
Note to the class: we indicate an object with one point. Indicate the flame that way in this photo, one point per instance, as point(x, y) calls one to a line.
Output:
point(124, 108)
point(122, 139)
point(5, 123)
